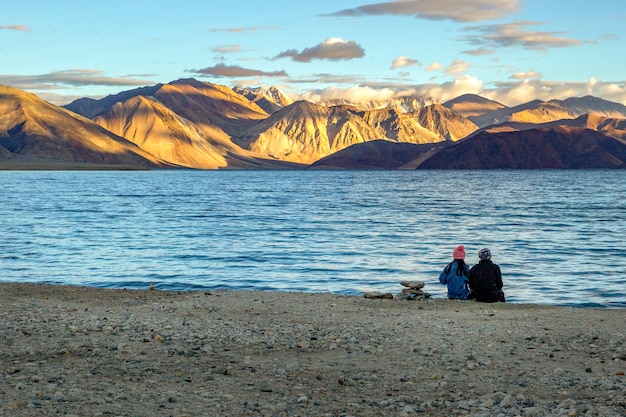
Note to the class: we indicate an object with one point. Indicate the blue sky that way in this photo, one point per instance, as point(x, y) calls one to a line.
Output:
point(512, 51)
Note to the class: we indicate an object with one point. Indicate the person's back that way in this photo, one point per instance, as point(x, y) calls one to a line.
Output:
point(455, 274)
point(485, 279)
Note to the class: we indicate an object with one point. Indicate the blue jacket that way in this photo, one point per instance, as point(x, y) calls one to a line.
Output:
point(457, 284)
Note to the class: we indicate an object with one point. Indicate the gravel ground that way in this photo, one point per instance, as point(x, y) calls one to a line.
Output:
point(77, 351)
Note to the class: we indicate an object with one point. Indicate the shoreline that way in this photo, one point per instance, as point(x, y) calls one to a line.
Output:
point(71, 350)
point(438, 294)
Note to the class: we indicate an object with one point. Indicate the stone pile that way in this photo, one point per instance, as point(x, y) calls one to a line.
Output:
point(413, 290)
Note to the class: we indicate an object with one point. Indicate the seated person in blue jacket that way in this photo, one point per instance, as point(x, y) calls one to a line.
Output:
point(455, 275)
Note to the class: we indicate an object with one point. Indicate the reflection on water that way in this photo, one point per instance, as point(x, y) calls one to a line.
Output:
point(557, 235)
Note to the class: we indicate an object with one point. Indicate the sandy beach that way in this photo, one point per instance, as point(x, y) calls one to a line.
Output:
point(77, 351)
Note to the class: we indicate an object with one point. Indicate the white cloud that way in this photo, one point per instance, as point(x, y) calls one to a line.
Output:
point(435, 66)
point(510, 93)
point(465, 84)
point(525, 75)
point(404, 61)
point(354, 94)
point(457, 67)
point(441, 92)
point(519, 92)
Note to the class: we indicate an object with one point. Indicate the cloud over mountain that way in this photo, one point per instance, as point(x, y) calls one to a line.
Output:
point(457, 10)
point(332, 49)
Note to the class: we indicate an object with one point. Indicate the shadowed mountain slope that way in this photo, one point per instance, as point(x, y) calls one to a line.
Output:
point(549, 148)
point(31, 127)
point(4, 153)
point(615, 128)
point(376, 154)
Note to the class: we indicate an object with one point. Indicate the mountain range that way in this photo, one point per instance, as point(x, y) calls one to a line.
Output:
point(192, 124)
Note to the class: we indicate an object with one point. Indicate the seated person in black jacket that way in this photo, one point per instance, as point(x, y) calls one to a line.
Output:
point(485, 280)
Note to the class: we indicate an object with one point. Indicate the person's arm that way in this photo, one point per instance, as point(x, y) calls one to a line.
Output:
point(470, 279)
point(443, 277)
point(498, 278)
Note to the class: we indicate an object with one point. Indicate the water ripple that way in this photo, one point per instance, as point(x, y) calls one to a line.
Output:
point(557, 235)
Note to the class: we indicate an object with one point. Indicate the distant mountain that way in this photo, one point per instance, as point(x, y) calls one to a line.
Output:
point(541, 112)
point(32, 129)
point(446, 123)
point(377, 154)
point(189, 123)
point(395, 125)
point(472, 105)
point(91, 108)
point(305, 132)
point(270, 99)
point(546, 148)
point(163, 133)
point(194, 124)
point(615, 128)
point(430, 124)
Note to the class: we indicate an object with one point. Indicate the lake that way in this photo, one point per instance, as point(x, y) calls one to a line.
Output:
point(558, 236)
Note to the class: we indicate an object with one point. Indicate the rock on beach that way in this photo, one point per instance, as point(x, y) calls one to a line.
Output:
point(77, 351)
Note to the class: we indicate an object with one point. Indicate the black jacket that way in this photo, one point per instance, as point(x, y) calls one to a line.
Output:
point(485, 282)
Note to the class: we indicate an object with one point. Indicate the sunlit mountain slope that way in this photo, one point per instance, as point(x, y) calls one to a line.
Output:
point(31, 127)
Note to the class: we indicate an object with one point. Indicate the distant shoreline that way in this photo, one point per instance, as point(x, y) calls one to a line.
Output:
point(9, 165)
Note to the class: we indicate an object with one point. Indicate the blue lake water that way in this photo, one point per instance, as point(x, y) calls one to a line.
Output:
point(558, 236)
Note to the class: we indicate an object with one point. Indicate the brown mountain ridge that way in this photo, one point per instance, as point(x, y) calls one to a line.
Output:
point(542, 148)
point(192, 124)
point(34, 131)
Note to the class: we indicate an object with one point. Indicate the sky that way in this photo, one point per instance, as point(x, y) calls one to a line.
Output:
point(511, 51)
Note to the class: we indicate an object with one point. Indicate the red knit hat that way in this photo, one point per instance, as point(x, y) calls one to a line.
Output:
point(459, 252)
